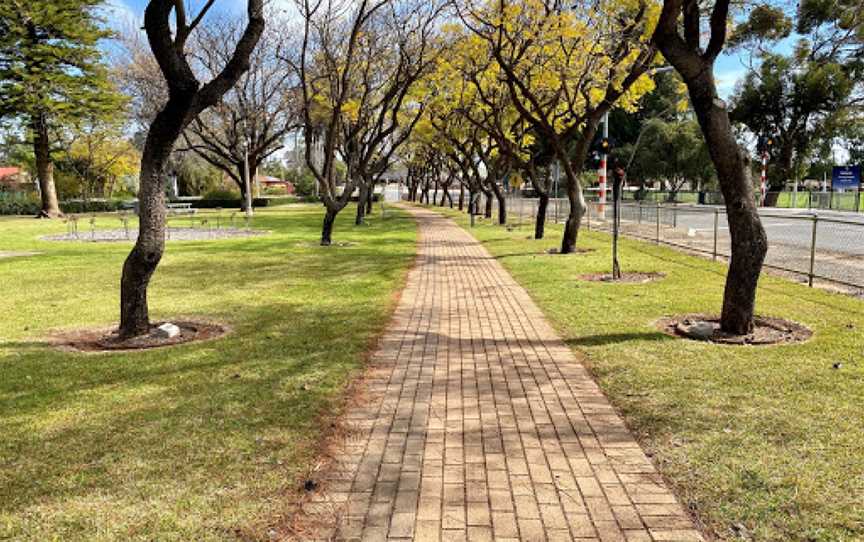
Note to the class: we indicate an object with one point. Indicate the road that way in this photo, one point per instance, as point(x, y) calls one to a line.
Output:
point(836, 231)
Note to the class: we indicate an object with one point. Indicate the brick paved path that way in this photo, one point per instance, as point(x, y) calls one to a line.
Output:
point(480, 424)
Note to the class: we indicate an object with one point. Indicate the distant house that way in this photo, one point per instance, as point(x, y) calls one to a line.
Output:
point(261, 182)
point(265, 181)
point(13, 179)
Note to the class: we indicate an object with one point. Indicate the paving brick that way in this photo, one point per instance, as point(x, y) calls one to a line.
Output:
point(478, 423)
point(531, 530)
point(504, 525)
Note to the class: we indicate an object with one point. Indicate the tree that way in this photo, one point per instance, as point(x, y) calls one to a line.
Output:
point(187, 98)
point(194, 175)
point(695, 64)
point(673, 152)
point(251, 121)
point(565, 67)
point(469, 83)
point(50, 75)
point(806, 97)
point(358, 64)
point(96, 157)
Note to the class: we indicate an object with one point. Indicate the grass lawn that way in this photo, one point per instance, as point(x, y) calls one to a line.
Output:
point(196, 442)
point(764, 443)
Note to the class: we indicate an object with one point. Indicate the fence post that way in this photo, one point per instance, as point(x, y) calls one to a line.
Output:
point(588, 214)
point(716, 227)
point(658, 223)
point(813, 252)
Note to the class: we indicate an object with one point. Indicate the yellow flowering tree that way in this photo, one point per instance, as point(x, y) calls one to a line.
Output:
point(565, 68)
point(359, 65)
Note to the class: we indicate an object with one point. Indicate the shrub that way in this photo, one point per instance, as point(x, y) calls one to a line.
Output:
point(304, 183)
point(277, 190)
point(15, 204)
point(92, 206)
point(222, 194)
point(31, 205)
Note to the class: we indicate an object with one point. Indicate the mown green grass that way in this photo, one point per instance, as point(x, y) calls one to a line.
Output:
point(764, 443)
point(196, 442)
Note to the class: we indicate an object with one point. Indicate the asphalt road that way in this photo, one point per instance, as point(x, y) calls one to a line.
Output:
point(836, 231)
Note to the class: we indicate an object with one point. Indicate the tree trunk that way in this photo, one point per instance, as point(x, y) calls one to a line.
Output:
point(784, 166)
point(361, 204)
point(574, 218)
point(749, 242)
point(502, 203)
point(540, 221)
point(147, 252)
point(45, 170)
point(242, 186)
point(327, 229)
point(370, 200)
point(186, 100)
point(488, 211)
point(461, 197)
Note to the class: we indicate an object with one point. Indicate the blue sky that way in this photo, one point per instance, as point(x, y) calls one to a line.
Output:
point(729, 70)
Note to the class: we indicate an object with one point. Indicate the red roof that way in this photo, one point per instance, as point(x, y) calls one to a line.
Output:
point(8, 171)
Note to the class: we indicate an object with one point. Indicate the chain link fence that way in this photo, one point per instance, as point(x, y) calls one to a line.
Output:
point(810, 245)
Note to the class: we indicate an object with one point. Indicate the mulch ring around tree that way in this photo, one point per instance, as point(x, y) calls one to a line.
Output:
point(626, 278)
point(767, 330)
point(107, 339)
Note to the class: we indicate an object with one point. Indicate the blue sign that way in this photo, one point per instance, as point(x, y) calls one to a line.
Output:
point(845, 178)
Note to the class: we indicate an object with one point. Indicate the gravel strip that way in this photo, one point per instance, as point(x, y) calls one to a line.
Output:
point(172, 234)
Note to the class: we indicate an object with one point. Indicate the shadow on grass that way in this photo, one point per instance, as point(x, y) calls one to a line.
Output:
point(214, 425)
point(616, 338)
point(255, 393)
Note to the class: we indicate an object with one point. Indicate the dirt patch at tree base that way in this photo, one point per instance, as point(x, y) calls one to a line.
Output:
point(626, 278)
point(108, 340)
point(766, 331)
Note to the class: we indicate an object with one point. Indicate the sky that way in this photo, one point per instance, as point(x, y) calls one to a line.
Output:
point(730, 68)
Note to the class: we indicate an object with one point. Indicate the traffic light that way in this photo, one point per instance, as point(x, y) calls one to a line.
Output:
point(765, 143)
point(602, 145)
point(605, 145)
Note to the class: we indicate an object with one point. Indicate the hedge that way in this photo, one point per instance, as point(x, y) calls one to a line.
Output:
point(235, 203)
point(32, 206)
